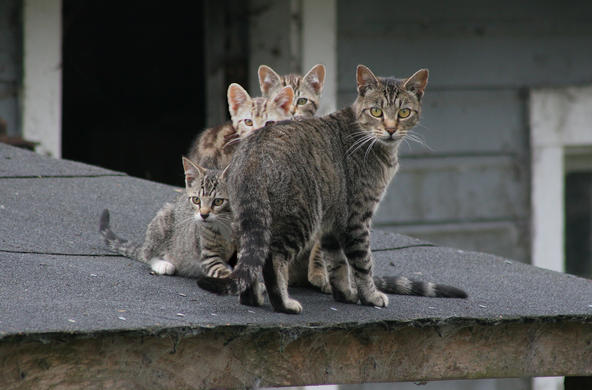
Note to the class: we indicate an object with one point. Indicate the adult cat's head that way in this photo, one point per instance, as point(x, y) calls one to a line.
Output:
point(307, 88)
point(249, 114)
point(206, 192)
point(388, 108)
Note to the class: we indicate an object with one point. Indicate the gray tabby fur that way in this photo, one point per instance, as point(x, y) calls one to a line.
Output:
point(320, 179)
point(174, 240)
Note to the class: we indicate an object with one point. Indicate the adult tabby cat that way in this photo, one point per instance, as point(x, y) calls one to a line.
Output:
point(296, 182)
point(214, 147)
point(189, 237)
point(307, 88)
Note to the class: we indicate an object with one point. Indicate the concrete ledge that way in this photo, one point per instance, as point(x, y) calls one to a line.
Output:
point(241, 356)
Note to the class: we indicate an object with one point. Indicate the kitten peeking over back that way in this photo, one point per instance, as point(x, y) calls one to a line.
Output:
point(214, 147)
point(307, 88)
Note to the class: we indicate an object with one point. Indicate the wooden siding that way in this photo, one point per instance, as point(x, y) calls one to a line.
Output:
point(470, 188)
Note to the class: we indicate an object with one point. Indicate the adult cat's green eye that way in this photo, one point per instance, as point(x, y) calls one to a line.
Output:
point(248, 122)
point(404, 112)
point(301, 101)
point(376, 112)
point(218, 201)
point(196, 200)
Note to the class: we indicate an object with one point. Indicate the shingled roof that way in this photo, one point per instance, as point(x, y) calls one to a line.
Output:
point(72, 312)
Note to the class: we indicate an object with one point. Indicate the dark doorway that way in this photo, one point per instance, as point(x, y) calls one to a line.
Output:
point(578, 223)
point(133, 84)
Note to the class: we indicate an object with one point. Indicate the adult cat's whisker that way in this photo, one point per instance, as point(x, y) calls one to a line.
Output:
point(360, 144)
point(355, 144)
point(356, 134)
point(412, 136)
point(369, 148)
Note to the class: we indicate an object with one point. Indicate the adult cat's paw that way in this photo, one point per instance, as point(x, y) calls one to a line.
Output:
point(162, 267)
point(376, 299)
point(321, 281)
point(292, 306)
point(346, 295)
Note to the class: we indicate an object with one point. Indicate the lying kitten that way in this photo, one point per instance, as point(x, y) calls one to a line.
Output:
point(307, 88)
point(321, 179)
point(214, 147)
point(189, 237)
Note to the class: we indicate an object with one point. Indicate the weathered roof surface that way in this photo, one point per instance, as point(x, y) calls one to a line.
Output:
point(61, 288)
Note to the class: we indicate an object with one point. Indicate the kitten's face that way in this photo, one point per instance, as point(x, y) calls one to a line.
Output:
point(388, 108)
point(206, 192)
point(307, 88)
point(249, 114)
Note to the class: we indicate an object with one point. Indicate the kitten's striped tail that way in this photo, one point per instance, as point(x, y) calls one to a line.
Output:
point(117, 244)
point(253, 233)
point(404, 286)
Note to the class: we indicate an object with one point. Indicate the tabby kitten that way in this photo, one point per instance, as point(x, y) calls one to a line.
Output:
point(307, 88)
point(322, 178)
point(214, 147)
point(188, 237)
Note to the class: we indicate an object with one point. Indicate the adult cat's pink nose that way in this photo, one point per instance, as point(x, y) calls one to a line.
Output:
point(391, 130)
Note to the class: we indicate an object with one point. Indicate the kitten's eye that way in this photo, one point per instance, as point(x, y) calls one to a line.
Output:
point(376, 112)
point(269, 123)
point(248, 122)
point(195, 200)
point(301, 101)
point(404, 112)
point(218, 201)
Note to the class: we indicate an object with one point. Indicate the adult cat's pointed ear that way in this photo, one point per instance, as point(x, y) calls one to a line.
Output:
point(268, 80)
point(192, 171)
point(316, 78)
point(237, 97)
point(284, 98)
point(417, 82)
point(365, 79)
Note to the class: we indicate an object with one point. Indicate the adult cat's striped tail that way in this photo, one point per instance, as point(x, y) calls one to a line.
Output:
point(118, 244)
point(404, 286)
point(254, 234)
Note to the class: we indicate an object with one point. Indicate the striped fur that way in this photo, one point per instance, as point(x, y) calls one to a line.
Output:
point(297, 182)
point(189, 237)
point(214, 147)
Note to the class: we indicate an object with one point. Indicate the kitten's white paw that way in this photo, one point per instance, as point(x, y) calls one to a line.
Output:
point(162, 267)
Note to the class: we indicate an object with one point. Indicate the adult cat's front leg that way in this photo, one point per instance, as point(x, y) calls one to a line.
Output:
point(357, 250)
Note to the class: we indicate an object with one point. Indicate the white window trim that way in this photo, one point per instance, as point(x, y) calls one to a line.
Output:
point(319, 45)
point(559, 118)
point(41, 105)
